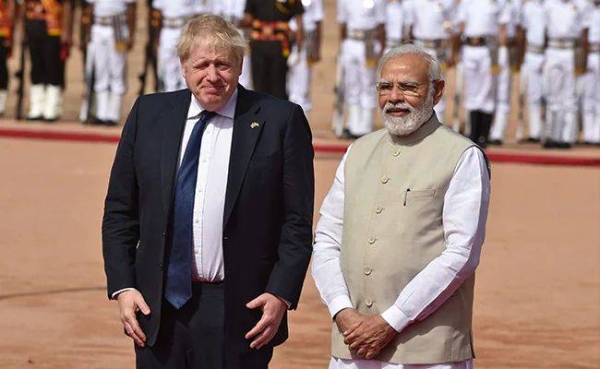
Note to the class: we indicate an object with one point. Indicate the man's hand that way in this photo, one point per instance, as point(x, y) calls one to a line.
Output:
point(348, 319)
point(273, 309)
point(370, 337)
point(130, 302)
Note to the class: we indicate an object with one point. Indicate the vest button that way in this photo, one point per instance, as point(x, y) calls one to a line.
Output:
point(378, 210)
point(385, 180)
point(372, 240)
point(396, 152)
point(369, 302)
point(368, 271)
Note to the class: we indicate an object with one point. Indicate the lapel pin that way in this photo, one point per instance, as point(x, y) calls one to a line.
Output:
point(254, 125)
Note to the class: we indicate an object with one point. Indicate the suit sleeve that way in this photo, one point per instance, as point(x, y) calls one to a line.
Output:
point(120, 224)
point(295, 246)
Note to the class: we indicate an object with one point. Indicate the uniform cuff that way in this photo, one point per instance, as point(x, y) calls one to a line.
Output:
point(339, 303)
point(115, 294)
point(396, 318)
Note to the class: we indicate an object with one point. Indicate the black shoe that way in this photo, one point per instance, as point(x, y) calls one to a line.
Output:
point(39, 117)
point(96, 122)
point(50, 120)
point(563, 145)
point(549, 144)
point(495, 142)
point(110, 123)
point(349, 135)
point(532, 140)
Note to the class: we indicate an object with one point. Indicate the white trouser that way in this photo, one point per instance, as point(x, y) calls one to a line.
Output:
point(478, 79)
point(498, 130)
point(359, 79)
point(169, 68)
point(298, 84)
point(109, 73)
point(560, 89)
point(591, 100)
point(336, 363)
point(359, 87)
point(534, 65)
point(109, 64)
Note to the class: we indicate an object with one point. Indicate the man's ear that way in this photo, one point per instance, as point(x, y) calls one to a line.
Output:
point(439, 90)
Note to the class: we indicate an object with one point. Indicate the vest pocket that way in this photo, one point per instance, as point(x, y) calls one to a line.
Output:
point(419, 193)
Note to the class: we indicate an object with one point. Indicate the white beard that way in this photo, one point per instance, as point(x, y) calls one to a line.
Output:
point(404, 126)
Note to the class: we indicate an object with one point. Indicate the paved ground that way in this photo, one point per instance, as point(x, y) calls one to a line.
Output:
point(538, 286)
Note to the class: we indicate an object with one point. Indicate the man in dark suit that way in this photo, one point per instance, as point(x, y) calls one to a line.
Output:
point(207, 228)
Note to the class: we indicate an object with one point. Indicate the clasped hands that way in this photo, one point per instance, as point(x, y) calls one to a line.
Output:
point(365, 335)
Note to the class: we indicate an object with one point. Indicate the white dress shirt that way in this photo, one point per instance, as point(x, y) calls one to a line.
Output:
point(108, 8)
point(209, 202)
point(464, 217)
point(361, 14)
point(430, 19)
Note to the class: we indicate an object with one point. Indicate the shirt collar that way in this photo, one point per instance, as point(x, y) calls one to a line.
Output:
point(227, 111)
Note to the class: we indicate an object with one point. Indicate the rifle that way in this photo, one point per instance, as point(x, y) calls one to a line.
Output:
point(521, 113)
point(338, 113)
point(85, 113)
point(150, 60)
point(20, 75)
point(456, 123)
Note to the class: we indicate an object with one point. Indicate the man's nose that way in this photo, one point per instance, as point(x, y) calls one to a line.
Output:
point(395, 95)
point(211, 73)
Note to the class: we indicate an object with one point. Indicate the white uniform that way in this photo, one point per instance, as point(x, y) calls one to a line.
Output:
point(300, 73)
point(481, 18)
point(174, 15)
point(431, 24)
point(109, 63)
point(233, 11)
point(591, 95)
point(532, 20)
point(564, 21)
point(513, 8)
point(359, 78)
point(395, 23)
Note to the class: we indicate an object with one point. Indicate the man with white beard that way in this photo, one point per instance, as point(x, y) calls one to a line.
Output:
point(401, 231)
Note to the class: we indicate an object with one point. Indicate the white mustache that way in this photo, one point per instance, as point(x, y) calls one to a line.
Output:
point(389, 105)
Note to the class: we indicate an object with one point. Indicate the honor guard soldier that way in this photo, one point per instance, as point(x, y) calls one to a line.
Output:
point(395, 23)
point(430, 27)
point(233, 11)
point(565, 37)
point(173, 14)
point(362, 26)
point(483, 29)
point(300, 74)
point(112, 37)
point(532, 24)
point(270, 41)
point(7, 16)
point(48, 29)
point(591, 96)
point(509, 62)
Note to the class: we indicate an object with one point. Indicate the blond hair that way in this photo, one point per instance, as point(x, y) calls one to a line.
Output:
point(214, 31)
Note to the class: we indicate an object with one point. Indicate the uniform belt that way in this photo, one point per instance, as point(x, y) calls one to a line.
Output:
point(561, 43)
point(174, 22)
point(359, 34)
point(106, 21)
point(475, 41)
point(535, 49)
point(594, 47)
point(429, 43)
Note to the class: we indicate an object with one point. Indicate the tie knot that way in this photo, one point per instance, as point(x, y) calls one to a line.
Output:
point(206, 115)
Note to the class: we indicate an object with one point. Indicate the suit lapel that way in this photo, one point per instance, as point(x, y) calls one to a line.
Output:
point(173, 122)
point(247, 126)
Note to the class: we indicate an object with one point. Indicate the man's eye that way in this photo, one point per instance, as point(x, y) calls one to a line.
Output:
point(408, 87)
point(385, 86)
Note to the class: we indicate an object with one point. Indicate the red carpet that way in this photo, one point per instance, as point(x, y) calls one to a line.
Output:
point(497, 157)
